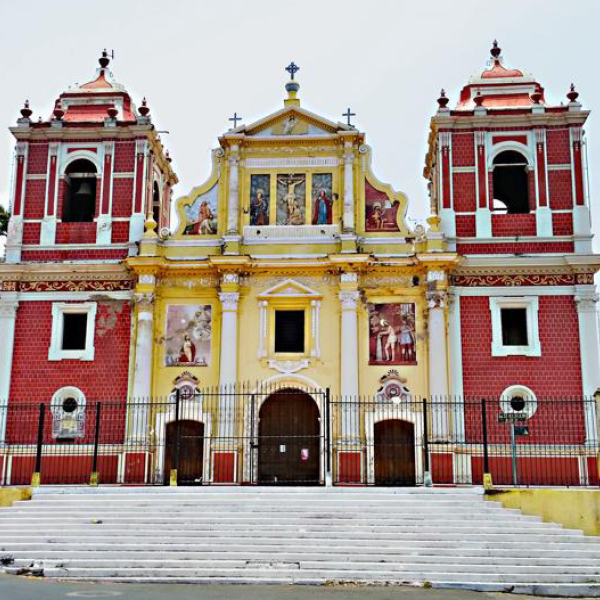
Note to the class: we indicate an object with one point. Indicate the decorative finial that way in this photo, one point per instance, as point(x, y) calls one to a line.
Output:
point(235, 119)
point(348, 115)
point(572, 95)
point(536, 97)
point(59, 113)
point(478, 99)
point(443, 99)
point(496, 50)
point(143, 109)
point(104, 60)
point(292, 69)
point(112, 111)
point(26, 112)
point(168, 157)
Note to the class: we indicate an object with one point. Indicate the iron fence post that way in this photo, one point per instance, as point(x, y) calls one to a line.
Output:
point(35, 478)
point(427, 471)
point(94, 474)
point(173, 474)
point(487, 476)
point(327, 433)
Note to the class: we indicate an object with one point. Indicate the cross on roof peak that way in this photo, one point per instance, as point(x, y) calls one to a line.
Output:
point(292, 69)
point(235, 119)
point(349, 114)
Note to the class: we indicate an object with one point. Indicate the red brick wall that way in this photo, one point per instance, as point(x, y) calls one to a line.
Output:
point(516, 248)
point(35, 196)
point(31, 233)
point(555, 374)
point(558, 147)
point(120, 232)
point(560, 189)
point(562, 223)
point(76, 233)
point(122, 201)
point(37, 160)
point(103, 378)
point(463, 150)
point(465, 225)
point(464, 192)
point(513, 225)
point(58, 255)
point(124, 157)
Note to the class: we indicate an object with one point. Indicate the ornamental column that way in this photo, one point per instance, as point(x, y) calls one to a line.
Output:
point(229, 297)
point(232, 235)
point(142, 378)
point(348, 216)
point(14, 239)
point(349, 296)
point(438, 360)
point(8, 316)
point(585, 301)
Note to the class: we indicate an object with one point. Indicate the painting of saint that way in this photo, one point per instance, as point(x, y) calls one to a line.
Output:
point(392, 337)
point(381, 213)
point(188, 335)
point(322, 186)
point(201, 214)
point(260, 186)
point(291, 199)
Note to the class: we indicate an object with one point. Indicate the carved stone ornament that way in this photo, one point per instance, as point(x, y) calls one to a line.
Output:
point(144, 301)
point(147, 279)
point(436, 299)
point(586, 303)
point(349, 299)
point(8, 309)
point(436, 276)
point(230, 278)
point(393, 388)
point(349, 277)
point(289, 366)
point(188, 386)
point(229, 300)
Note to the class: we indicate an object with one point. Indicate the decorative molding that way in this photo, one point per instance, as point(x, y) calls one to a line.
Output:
point(272, 281)
point(288, 367)
point(184, 282)
point(145, 302)
point(586, 303)
point(69, 286)
point(349, 277)
point(147, 279)
point(349, 299)
point(8, 308)
point(375, 281)
point(436, 299)
point(433, 276)
point(229, 300)
point(310, 161)
point(230, 278)
point(512, 280)
point(276, 233)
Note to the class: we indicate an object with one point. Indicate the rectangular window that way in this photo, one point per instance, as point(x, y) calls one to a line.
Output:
point(74, 331)
point(514, 326)
point(289, 331)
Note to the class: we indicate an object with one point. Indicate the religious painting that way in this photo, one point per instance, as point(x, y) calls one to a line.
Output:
point(201, 214)
point(381, 213)
point(291, 199)
point(322, 195)
point(260, 189)
point(392, 337)
point(291, 125)
point(188, 335)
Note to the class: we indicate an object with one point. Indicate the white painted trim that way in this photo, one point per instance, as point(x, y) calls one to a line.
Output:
point(531, 304)
point(75, 247)
point(65, 159)
point(456, 368)
point(77, 296)
point(9, 305)
point(519, 390)
point(565, 167)
point(500, 147)
point(310, 161)
point(58, 414)
point(524, 290)
point(58, 311)
point(123, 175)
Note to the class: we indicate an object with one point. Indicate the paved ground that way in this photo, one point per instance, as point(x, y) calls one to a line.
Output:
point(28, 588)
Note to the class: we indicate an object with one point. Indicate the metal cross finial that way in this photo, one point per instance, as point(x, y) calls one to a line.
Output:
point(292, 69)
point(235, 119)
point(348, 115)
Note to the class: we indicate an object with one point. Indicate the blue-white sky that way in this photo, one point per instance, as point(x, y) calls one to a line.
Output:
point(198, 61)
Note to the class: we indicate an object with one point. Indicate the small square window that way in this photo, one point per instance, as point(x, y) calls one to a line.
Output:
point(289, 331)
point(74, 331)
point(514, 326)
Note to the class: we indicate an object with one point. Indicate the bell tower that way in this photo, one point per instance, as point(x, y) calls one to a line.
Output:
point(87, 178)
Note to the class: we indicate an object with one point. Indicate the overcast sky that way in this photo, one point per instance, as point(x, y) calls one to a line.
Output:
point(198, 61)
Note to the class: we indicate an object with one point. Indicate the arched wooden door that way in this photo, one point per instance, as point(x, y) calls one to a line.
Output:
point(289, 439)
point(188, 455)
point(394, 452)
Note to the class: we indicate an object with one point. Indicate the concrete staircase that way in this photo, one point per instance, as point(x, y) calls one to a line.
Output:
point(448, 537)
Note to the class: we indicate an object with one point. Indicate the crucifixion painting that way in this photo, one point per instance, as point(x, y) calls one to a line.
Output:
point(291, 199)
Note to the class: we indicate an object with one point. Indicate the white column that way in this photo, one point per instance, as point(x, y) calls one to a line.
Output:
point(349, 363)
point(48, 227)
point(228, 361)
point(456, 367)
point(142, 378)
point(348, 217)
point(8, 316)
point(14, 238)
point(233, 196)
point(438, 364)
point(586, 301)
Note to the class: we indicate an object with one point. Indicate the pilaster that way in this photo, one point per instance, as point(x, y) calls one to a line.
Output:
point(9, 304)
point(48, 229)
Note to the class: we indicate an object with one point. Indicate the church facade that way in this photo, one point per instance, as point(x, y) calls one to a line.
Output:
point(291, 278)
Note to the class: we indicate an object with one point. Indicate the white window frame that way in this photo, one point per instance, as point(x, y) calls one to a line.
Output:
point(518, 390)
point(59, 309)
point(531, 304)
point(58, 414)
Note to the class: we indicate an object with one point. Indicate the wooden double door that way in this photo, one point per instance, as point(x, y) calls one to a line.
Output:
point(185, 451)
point(289, 439)
point(394, 453)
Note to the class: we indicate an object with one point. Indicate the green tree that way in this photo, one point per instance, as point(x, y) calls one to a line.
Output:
point(4, 217)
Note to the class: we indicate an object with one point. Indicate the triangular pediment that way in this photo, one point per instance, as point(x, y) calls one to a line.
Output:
point(291, 121)
point(289, 289)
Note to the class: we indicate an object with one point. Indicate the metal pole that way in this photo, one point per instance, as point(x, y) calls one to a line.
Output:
point(94, 474)
point(487, 476)
point(327, 430)
point(253, 443)
point(35, 478)
point(173, 474)
point(427, 472)
point(513, 443)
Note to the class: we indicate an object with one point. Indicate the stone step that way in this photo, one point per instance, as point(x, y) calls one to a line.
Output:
point(382, 574)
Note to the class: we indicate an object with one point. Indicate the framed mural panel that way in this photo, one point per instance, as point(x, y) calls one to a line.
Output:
point(322, 196)
point(201, 215)
point(381, 214)
point(291, 199)
point(260, 192)
point(392, 334)
point(188, 335)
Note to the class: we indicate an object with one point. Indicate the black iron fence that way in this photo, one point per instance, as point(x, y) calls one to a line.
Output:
point(260, 435)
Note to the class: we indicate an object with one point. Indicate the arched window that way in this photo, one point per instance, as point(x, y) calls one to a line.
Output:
point(510, 183)
point(80, 192)
point(156, 202)
point(68, 413)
